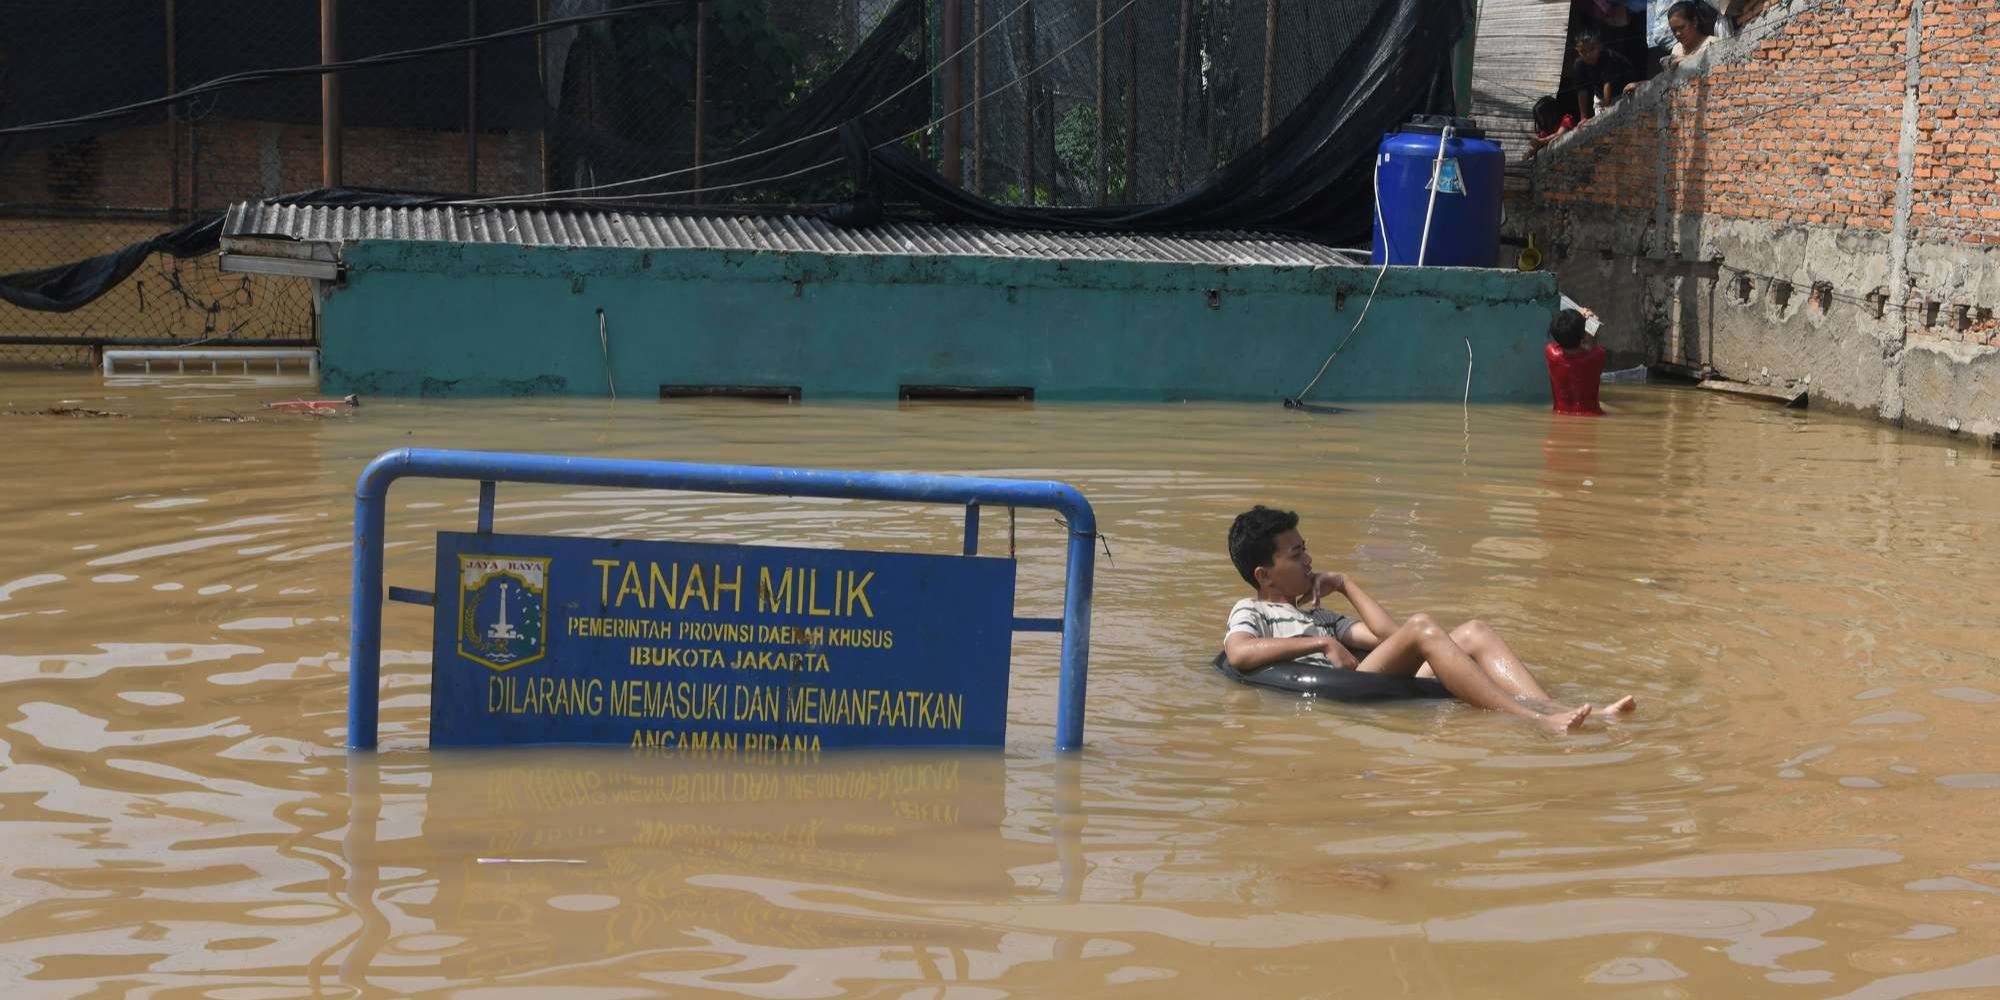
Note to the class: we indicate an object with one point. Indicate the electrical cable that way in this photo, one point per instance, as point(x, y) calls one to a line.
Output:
point(1298, 401)
point(604, 344)
point(919, 130)
point(753, 154)
point(320, 69)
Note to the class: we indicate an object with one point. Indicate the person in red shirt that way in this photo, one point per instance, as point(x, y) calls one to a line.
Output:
point(1576, 364)
point(1550, 124)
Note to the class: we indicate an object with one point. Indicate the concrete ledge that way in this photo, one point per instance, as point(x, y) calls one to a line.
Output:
point(485, 319)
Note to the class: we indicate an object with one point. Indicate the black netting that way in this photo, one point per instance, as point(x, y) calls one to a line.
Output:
point(1309, 175)
point(1179, 114)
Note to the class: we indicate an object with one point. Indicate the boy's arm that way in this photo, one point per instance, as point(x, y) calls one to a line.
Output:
point(1247, 652)
point(1375, 626)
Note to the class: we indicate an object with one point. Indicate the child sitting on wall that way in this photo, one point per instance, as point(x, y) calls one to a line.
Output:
point(1576, 363)
point(1550, 123)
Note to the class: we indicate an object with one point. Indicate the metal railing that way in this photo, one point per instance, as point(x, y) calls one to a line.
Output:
point(214, 359)
point(491, 468)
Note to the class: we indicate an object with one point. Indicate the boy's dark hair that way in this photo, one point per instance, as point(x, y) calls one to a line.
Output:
point(1548, 113)
point(1567, 329)
point(1588, 35)
point(1253, 538)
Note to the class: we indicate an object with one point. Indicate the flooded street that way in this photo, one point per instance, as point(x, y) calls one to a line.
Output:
point(1800, 807)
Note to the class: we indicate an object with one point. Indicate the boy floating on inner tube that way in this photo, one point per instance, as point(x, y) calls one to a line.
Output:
point(1285, 622)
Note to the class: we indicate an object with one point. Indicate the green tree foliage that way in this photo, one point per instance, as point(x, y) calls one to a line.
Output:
point(1076, 150)
point(645, 71)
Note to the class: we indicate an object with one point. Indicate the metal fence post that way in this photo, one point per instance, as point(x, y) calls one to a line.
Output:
point(1103, 109)
point(700, 88)
point(1029, 97)
point(951, 13)
point(1074, 677)
point(542, 88)
point(1131, 104)
point(978, 97)
point(1270, 63)
point(1179, 163)
point(329, 94)
point(364, 641)
point(173, 125)
point(471, 100)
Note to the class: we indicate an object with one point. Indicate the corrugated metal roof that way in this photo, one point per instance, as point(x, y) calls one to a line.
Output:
point(777, 233)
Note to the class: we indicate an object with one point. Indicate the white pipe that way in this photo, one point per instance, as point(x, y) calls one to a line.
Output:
point(275, 355)
point(1437, 168)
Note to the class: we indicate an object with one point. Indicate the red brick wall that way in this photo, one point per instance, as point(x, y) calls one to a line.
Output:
point(1804, 130)
point(122, 170)
point(231, 160)
point(1797, 124)
point(1958, 122)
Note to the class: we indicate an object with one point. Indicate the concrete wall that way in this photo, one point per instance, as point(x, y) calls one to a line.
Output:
point(1812, 200)
point(416, 318)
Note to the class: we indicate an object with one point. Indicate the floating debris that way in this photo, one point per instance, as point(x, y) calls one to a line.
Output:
point(75, 412)
point(321, 406)
point(1347, 875)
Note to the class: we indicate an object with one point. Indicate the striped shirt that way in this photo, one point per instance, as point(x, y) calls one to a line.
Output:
point(1273, 620)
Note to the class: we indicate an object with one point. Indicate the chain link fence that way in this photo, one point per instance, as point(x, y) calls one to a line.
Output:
point(716, 103)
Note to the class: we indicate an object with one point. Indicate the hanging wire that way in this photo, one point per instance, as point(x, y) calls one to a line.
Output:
point(320, 69)
point(919, 130)
point(753, 154)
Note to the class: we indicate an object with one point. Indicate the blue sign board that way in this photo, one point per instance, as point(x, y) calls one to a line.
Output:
point(696, 646)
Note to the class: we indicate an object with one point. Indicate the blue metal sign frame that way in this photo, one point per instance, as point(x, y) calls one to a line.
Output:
point(490, 468)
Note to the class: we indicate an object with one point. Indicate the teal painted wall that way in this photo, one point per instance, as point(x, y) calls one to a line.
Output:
point(416, 318)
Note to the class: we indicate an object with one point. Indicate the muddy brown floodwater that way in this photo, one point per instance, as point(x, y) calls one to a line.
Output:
point(1801, 808)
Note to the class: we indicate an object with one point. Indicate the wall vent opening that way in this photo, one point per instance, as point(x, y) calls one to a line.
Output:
point(764, 393)
point(966, 393)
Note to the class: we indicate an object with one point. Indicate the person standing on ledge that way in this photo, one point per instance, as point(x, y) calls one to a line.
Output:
point(1576, 363)
point(1601, 75)
point(1278, 625)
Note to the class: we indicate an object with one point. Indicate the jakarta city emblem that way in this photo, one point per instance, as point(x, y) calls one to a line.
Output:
point(503, 610)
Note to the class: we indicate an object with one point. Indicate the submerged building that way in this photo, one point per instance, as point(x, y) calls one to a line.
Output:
point(448, 300)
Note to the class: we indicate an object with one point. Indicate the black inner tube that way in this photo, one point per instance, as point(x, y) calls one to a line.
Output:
point(1322, 681)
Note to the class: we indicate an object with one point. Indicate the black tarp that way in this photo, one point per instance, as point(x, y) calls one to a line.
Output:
point(1311, 177)
point(879, 79)
point(73, 57)
point(72, 286)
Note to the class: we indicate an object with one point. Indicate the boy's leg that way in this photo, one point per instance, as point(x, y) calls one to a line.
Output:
point(1492, 653)
point(1420, 640)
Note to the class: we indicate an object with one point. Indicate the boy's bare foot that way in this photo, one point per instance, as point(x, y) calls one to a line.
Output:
point(1565, 721)
point(1622, 706)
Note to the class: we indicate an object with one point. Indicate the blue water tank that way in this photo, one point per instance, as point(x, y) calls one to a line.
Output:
point(1465, 222)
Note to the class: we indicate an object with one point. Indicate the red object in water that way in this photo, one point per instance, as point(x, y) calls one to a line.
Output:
point(316, 404)
point(1574, 377)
